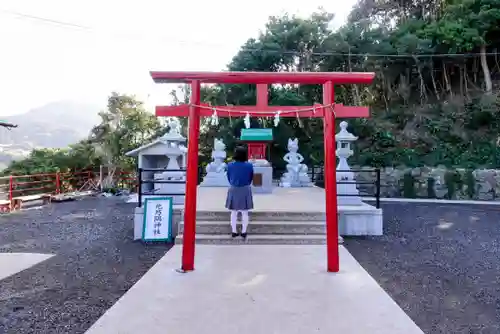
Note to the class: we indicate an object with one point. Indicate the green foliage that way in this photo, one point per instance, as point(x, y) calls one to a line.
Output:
point(409, 190)
point(125, 125)
point(431, 193)
point(470, 183)
point(111, 190)
point(77, 157)
point(453, 182)
point(426, 108)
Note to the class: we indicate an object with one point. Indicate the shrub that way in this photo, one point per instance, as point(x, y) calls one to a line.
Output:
point(430, 187)
point(409, 186)
point(470, 182)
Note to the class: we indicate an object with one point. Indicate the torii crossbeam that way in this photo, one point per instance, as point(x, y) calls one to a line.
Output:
point(195, 110)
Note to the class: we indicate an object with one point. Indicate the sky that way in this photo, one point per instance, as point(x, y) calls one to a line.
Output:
point(112, 45)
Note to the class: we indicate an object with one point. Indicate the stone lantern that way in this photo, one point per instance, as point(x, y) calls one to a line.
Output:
point(347, 193)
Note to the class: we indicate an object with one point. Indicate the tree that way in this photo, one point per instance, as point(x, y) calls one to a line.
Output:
point(420, 99)
point(428, 106)
point(471, 24)
point(287, 44)
point(125, 125)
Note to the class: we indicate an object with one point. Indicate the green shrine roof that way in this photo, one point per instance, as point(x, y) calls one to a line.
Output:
point(256, 135)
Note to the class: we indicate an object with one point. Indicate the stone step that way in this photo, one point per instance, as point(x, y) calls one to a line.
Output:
point(256, 215)
point(261, 227)
point(259, 239)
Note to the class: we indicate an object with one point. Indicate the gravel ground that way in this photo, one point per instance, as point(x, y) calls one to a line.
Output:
point(95, 263)
point(440, 263)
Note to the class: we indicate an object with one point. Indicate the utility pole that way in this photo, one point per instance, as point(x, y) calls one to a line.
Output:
point(8, 125)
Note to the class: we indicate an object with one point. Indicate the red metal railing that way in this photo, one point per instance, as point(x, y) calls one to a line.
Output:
point(47, 183)
point(127, 180)
point(57, 183)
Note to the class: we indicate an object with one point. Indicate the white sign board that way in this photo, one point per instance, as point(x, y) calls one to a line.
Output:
point(157, 219)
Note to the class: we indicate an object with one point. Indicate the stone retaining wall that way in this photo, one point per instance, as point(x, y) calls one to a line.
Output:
point(433, 182)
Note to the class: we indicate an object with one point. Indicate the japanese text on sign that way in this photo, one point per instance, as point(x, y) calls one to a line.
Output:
point(157, 219)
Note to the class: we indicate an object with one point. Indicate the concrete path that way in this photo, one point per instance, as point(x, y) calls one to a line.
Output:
point(12, 263)
point(256, 289)
point(95, 262)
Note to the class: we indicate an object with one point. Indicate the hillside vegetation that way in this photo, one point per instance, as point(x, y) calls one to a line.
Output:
point(434, 100)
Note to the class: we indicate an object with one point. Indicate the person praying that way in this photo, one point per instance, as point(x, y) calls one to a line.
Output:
point(239, 195)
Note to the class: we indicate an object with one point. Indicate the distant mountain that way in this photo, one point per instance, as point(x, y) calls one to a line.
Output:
point(54, 125)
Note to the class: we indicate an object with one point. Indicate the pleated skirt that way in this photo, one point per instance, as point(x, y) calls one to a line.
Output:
point(239, 198)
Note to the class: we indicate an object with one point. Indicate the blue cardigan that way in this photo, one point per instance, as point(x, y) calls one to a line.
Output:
point(240, 174)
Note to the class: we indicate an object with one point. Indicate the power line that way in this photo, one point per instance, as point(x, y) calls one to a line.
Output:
point(268, 51)
point(45, 20)
point(85, 28)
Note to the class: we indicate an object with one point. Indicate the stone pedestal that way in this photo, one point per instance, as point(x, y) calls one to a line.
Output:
point(349, 189)
point(215, 180)
point(262, 180)
point(171, 188)
point(139, 222)
point(356, 220)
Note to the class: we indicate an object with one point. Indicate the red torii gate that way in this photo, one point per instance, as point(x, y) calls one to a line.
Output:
point(328, 110)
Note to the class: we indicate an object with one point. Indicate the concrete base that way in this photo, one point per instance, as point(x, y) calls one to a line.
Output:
point(278, 232)
point(248, 289)
point(349, 190)
point(215, 180)
point(267, 180)
point(134, 198)
point(293, 205)
point(171, 188)
point(179, 200)
point(12, 263)
point(285, 184)
point(302, 180)
point(361, 219)
point(139, 221)
point(257, 239)
point(349, 200)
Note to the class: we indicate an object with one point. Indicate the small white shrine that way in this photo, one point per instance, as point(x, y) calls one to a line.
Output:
point(257, 141)
point(217, 170)
point(296, 174)
point(167, 152)
point(345, 176)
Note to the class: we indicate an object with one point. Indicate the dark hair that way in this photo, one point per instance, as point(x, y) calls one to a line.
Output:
point(240, 154)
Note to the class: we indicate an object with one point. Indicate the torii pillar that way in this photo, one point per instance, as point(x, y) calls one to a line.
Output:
point(328, 110)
